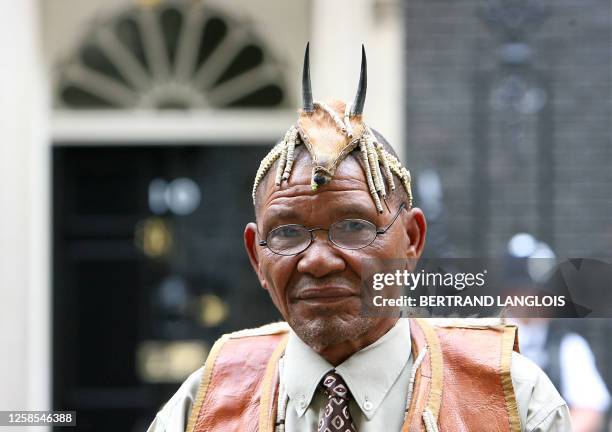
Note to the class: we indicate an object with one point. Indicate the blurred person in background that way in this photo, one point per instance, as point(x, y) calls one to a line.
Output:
point(565, 356)
point(568, 360)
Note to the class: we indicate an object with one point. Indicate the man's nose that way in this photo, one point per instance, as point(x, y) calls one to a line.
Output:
point(321, 258)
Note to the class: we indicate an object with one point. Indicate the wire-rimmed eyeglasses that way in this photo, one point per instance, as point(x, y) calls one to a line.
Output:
point(350, 234)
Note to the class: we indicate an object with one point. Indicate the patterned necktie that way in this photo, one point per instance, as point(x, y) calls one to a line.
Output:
point(336, 416)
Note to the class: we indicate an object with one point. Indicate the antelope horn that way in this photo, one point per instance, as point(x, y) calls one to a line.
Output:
point(357, 108)
point(308, 104)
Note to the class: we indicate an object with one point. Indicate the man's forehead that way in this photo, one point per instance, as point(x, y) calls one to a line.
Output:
point(349, 204)
point(349, 178)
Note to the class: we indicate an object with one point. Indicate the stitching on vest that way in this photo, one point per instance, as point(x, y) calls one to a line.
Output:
point(206, 377)
point(508, 339)
point(268, 389)
point(430, 421)
point(473, 323)
point(413, 372)
point(268, 329)
point(435, 358)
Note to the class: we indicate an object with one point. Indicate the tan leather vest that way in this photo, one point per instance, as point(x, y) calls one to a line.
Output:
point(462, 384)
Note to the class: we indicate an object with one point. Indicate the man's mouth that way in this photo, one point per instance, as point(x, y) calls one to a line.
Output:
point(325, 295)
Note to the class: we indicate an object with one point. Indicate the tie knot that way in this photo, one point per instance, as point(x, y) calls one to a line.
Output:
point(334, 386)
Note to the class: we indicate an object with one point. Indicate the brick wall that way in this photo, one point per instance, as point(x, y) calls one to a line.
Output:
point(549, 172)
point(494, 182)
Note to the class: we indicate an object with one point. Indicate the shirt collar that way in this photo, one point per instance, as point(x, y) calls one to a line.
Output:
point(369, 373)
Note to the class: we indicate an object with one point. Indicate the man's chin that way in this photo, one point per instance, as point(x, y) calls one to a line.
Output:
point(322, 332)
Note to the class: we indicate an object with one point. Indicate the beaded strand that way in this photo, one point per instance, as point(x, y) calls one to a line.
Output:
point(373, 156)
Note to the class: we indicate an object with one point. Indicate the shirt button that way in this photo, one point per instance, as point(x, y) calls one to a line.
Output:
point(367, 405)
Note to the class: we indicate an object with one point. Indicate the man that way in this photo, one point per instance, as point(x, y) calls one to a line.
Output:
point(328, 196)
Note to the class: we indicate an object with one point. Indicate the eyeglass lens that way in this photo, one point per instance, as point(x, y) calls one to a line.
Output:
point(348, 234)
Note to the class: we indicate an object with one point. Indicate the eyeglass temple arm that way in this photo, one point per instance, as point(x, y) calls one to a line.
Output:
point(385, 229)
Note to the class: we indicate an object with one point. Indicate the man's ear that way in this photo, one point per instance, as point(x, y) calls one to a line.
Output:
point(250, 244)
point(416, 228)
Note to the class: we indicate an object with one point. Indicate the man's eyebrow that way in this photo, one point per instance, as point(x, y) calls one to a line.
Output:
point(279, 214)
point(353, 211)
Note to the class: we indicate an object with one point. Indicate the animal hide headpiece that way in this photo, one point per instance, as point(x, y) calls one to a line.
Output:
point(330, 132)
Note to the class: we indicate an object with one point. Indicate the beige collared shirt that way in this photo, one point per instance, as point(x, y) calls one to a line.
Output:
point(378, 377)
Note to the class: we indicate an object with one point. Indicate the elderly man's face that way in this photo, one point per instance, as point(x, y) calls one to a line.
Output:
point(318, 290)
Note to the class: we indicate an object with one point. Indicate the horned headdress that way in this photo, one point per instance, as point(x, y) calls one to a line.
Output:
point(330, 132)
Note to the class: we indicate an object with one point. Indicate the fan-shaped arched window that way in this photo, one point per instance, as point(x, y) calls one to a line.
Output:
point(171, 55)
